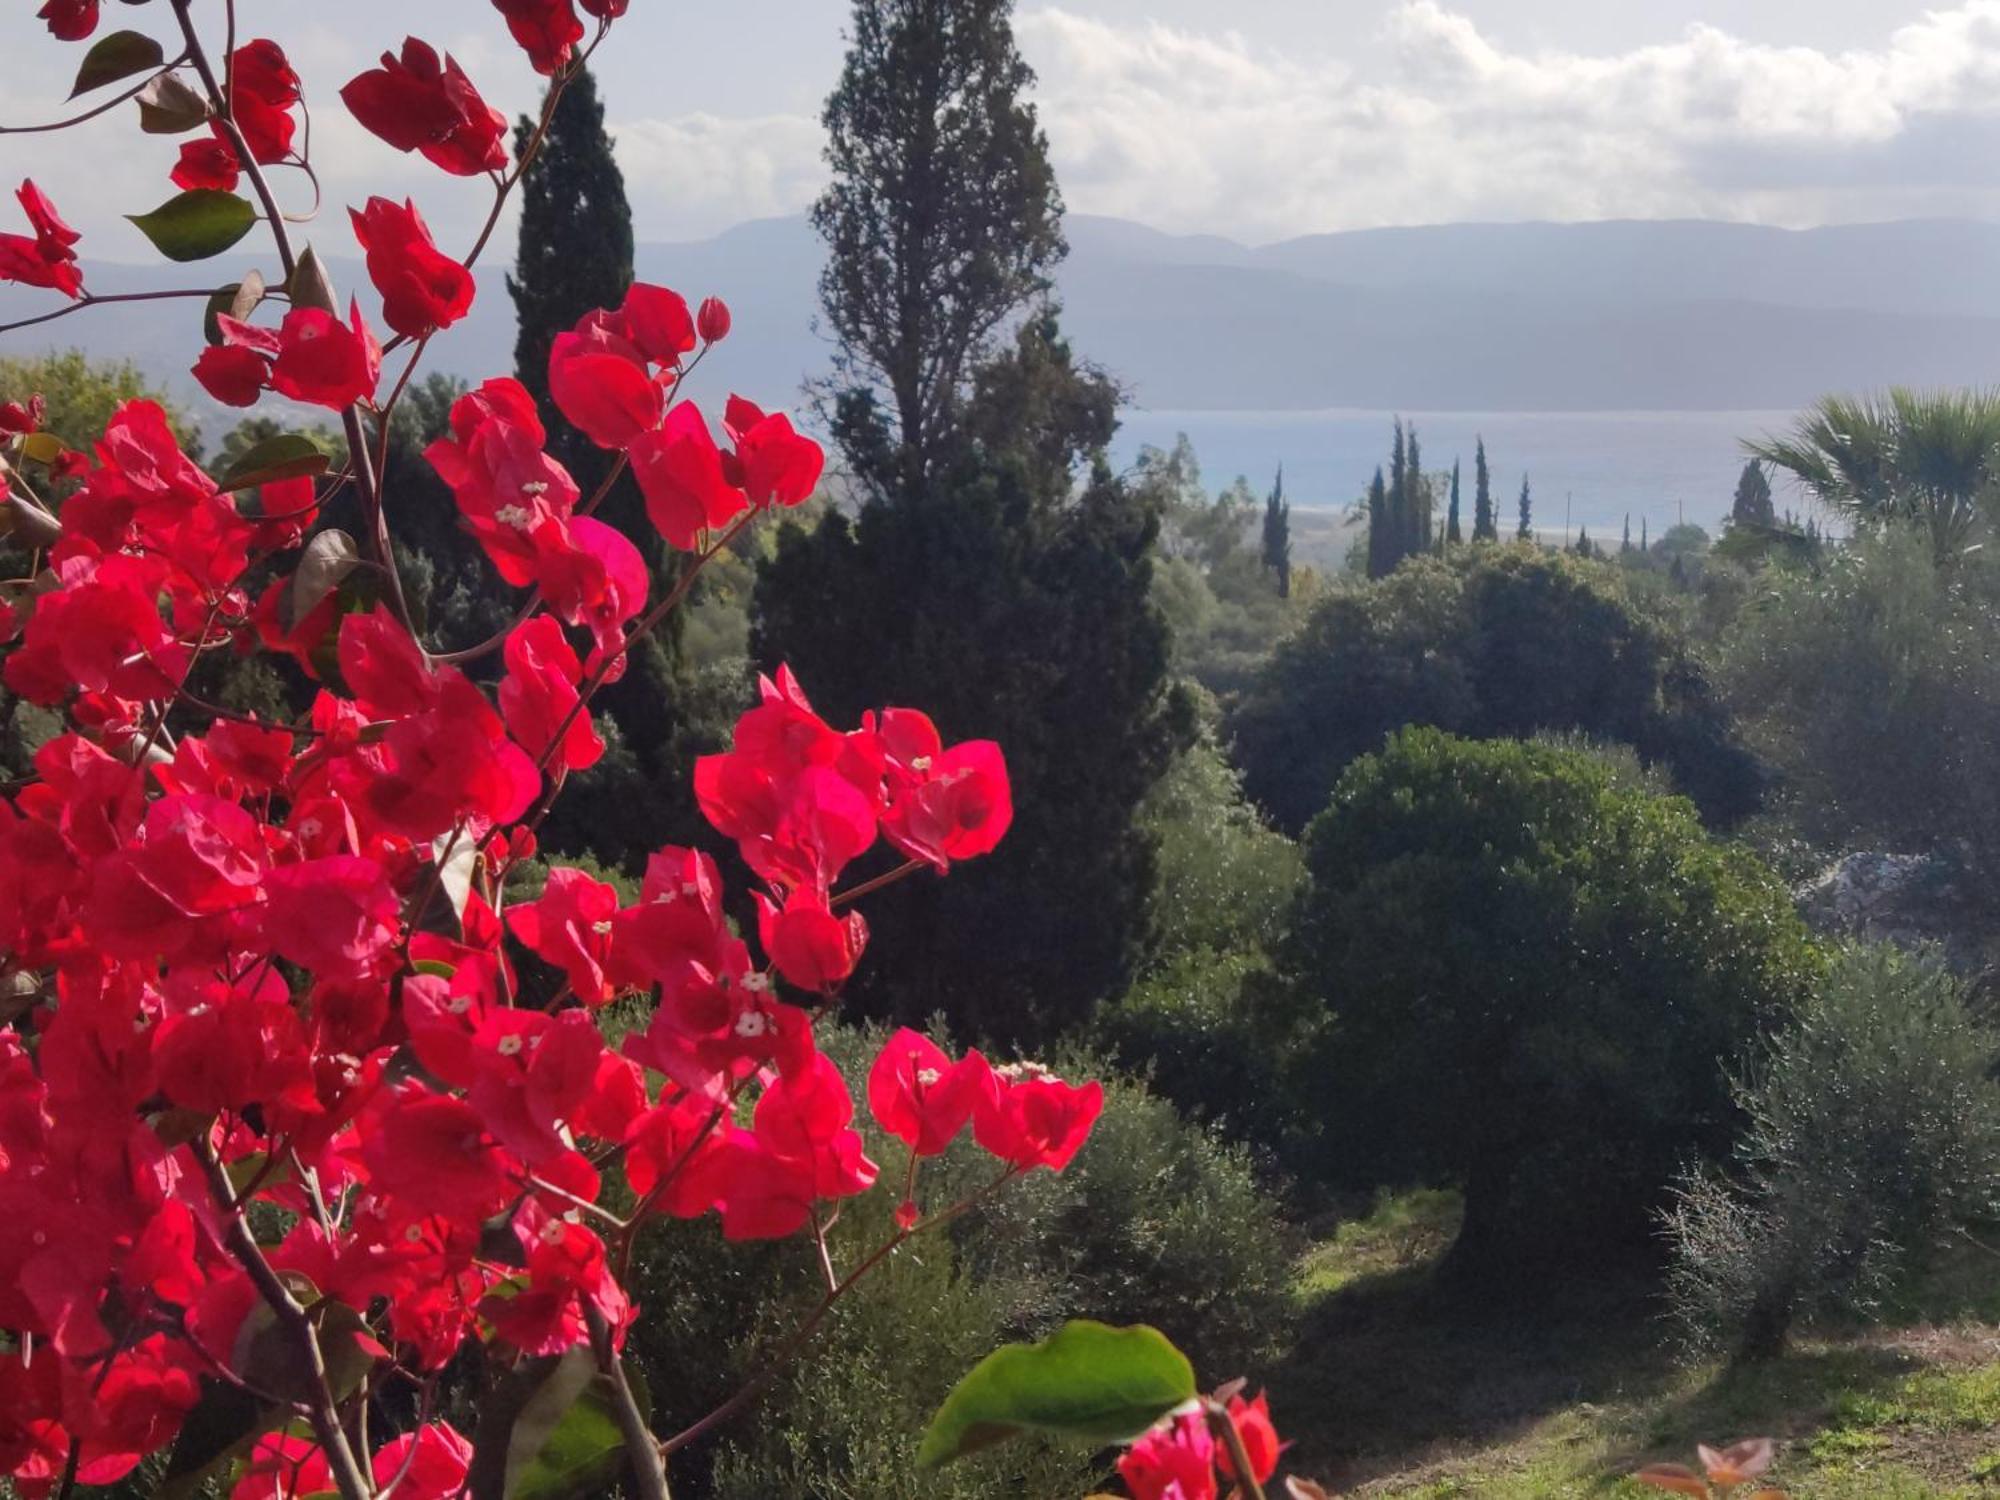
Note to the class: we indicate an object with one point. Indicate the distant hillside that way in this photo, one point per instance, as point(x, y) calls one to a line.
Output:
point(1473, 317)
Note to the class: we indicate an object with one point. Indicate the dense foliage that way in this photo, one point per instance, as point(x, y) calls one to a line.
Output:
point(1023, 609)
point(1873, 1133)
point(1532, 980)
point(1486, 642)
point(1872, 683)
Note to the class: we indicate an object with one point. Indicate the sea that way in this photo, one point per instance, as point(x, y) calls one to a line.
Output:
point(1586, 469)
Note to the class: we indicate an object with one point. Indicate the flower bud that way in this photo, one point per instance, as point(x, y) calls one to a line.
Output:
point(711, 321)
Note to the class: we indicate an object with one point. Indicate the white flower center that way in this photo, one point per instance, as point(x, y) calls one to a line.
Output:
point(509, 1046)
point(516, 516)
point(751, 1025)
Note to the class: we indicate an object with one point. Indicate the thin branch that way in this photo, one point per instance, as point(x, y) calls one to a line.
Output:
point(89, 299)
point(649, 1468)
point(96, 109)
point(325, 1414)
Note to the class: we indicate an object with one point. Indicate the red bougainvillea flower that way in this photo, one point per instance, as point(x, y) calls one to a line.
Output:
point(49, 258)
point(284, 1466)
point(1174, 1461)
point(325, 362)
point(811, 945)
point(208, 164)
point(922, 1097)
point(547, 30)
point(679, 470)
point(772, 464)
point(610, 399)
point(1033, 1119)
point(595, 577)
point(422, 288)
point(570, 926)
point(312, 357)
point(514, 498)
point(70, 20)
point(538, 696)
point(233, 374)
point(1258, 1435)
point(263, 89)
point(416, 103)
point(712, 321)
point(16, 417)
point(800, 1151)
point(605, 10)
point(943, 804)
point(338, 917)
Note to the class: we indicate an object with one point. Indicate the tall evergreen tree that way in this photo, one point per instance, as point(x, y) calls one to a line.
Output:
point(1626, 544)
point(1381, 548)
point(997, 575)
point(943, 219)
point(1416, 502)
point(575, 254)
point(1753, 506)
point(1452, 535)
point(1278, 535)
point(1485, 519)
point(575, 249)
point(1526, 530)
point(1645, 538)
point(1013, 605)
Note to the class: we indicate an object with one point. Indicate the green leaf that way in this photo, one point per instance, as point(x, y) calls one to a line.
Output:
point(197, 224)
point(1087, 1382)
point(225, 1423)
point(116, 56)
point(289, 455)
point(549, 1432)
point(167, 106)
point(310, 285)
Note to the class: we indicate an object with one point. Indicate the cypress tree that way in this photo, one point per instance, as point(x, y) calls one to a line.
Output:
point(1753, 506)
point(574, 255)
point(1381, 557)
point(1485, 520)
point(943, 219)
point(997, 575)
point(1626, 544)
point(575, 248)
point(1417, 507)
point(1645, 541)
point(1278, 535)
point(1526, 530)
point(1452, 535)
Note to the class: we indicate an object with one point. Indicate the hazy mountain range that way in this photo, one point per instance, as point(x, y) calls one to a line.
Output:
point(1662, 316)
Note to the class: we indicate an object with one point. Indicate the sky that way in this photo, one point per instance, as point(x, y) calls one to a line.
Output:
point(1259, 120)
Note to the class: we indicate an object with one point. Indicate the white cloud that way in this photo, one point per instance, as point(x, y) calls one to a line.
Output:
point(1433, 121)
point(696, 174)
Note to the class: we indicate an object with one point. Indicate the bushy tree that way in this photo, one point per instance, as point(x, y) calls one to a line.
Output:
point(1022, 605)
point(1873, 1133)
point(1533, 979)
point(1872, 684)
point(1487, 642)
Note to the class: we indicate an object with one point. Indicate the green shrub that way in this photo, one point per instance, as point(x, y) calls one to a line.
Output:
point(1224, 880)
point(1874, 1130)
point(1530, 980)
point(1198, 1029)
point(1873, 686)
point(1154, 1221)
point(1488, 642)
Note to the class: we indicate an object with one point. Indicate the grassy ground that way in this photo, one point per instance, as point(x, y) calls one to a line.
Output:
point(1395, 1394)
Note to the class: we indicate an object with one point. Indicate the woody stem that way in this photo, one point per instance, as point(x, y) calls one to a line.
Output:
point(649, 1464)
